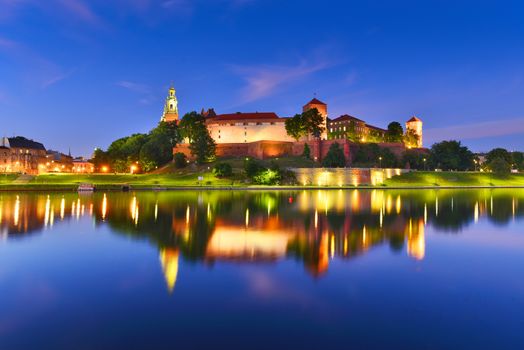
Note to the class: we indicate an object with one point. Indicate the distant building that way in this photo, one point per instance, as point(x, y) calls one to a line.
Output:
point(21, 155)
point(415, 124)
point(58, 162)
point(170, 107)
point(83, 166)
point(349, 127)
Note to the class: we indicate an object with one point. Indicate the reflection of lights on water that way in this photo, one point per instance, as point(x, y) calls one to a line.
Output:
point(476, 213)
point(156, 210)
point(187, 215)
point(134, 210)
point(389, 204)
point(46, 212)
point(398, 204)
point(16, 213)
point(62, 208)
point(381, 218)
point(452, 204)
point(78, 209)
point(436, 206)
point(513, 207)
point(491, 205)
point(425, 214)
point(247, 217)
point(345, 245)
point(104, 207)
point(316, 218)
point(364, 235)
point(332, 246)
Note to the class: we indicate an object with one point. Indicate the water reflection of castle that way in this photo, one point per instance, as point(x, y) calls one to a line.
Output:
point(311, 226)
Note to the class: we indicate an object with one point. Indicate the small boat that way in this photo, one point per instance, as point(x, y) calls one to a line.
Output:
point(86, 187)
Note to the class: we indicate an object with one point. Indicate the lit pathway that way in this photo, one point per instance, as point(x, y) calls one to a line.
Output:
point(23, 179)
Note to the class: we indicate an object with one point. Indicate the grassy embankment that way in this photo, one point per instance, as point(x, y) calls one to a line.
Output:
point(188, 177)
point(454, 179)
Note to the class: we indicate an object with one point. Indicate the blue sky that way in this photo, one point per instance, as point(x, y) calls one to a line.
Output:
point(81, 73)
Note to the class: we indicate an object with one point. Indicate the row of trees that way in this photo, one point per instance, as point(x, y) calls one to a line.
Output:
point(445, 155)
point(155, 149)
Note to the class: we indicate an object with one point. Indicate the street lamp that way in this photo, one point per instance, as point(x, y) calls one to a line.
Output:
point(380, 161)
point(424, 163)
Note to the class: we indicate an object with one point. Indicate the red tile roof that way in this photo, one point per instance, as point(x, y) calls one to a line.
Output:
point(245, 116)
point(315, 102)
point(414, 119)
point(347, 117)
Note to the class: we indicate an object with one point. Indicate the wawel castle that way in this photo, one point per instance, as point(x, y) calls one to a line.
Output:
point(263, 134)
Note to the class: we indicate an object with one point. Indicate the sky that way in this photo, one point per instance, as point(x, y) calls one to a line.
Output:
point(78, 74)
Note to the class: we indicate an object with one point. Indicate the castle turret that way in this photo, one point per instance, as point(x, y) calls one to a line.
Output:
point(415, 124)
point(170, 107)
point(322, 109)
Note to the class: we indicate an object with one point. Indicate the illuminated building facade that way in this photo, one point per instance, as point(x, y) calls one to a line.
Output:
point(21, 155)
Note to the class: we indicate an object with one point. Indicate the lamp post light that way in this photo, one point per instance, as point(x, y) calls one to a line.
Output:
point(380, 161)
point(425, 160)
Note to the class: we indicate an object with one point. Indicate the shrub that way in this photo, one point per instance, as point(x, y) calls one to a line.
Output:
point(307, 152)
point(335, 157)
point(180, 160)
point(267, 177)
point(499, 166)
point(252, 167)
point(222, 170)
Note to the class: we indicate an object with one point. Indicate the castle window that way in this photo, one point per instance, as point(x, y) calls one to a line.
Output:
point(245, 124)
point(259, 123)
point(272, 123)
point(171, 106)
point(232, 124)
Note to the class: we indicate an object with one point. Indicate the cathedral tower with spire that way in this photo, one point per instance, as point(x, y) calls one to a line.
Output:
point(170, 107)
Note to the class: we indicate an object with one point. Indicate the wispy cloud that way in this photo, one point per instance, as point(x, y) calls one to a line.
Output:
point(37, 69)
point(142, 89)
point(477, 130)
point(80, 10)
point(265, 80)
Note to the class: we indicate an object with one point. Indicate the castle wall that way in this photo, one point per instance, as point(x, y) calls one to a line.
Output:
point(246, 132)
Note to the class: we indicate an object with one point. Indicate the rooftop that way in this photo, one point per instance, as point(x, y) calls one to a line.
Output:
point(346, 117)
point(414, 119)
point(245, 116)
point(315, 101)
point(22, 142)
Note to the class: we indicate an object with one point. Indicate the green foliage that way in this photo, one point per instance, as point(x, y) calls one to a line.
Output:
point(313, 122)
point(499, 153)
point(389, 160)
point(451, 155)
point(307, 152)
point(395, 132)
point(191, 125)
point(518, 160)
point(335, 157)
point(295, 127)
point(309, 122)
point(120, 166)
point(411, 138)
point(267, 177)
point(499, 165)
point(100, 158)
point(252, 167)
point(222, 170)
point(180, 160)
point(202, 145)
point(415, 160)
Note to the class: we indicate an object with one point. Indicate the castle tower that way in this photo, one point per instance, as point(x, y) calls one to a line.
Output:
point(170, 107)
point(415, 124)
point(322, 109)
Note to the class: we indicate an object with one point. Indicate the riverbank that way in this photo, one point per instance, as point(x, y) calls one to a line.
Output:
point(206, 181)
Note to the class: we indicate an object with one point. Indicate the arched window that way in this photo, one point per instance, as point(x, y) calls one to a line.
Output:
point(171, 106)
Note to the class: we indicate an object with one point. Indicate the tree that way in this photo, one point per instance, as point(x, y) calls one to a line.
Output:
point(307, 152)
point(191, 124)
point(451, 155)
point(499, 165)
point(309, 122)
point(222, 170)
point(367, 154)
point(335, 157)
point(518, 160)
point(252, 167)
point(180, 160)
point(411, 138)
point(313, 122)
point(202, 145)
point(499, 153)
point(151, 155)
point(414, 160)
point(389, 160)
point(295, 127)
point(100, 158)
point(395, 132)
